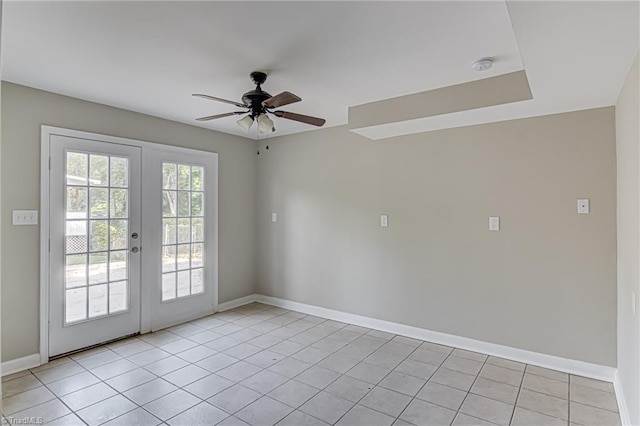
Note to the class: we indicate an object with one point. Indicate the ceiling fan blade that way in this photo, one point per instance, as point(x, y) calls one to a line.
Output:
point(284, 98)
point(301, 118)
point(226, 101)
point(226, 114)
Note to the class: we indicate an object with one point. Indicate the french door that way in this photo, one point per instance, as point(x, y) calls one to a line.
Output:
point(94, 243)
point(132, 238)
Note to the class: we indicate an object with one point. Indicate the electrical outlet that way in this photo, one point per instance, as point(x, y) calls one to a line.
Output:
point(384, 220)
point(494, 223)
point(274, 217)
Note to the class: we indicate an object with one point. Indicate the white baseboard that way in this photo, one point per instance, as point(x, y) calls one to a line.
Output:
point(236, 303)
point(622, 402)
point(581, 368)
point(20, 364)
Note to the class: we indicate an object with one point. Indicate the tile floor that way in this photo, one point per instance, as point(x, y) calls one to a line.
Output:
point(261, 365)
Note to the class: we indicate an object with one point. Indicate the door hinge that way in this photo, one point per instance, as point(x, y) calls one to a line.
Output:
point(49, 244)
point(49, 163)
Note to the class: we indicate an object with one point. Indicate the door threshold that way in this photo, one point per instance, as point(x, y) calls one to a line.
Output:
point(108, 342)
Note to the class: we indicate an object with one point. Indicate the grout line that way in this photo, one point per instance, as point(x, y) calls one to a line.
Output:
point(515, 403)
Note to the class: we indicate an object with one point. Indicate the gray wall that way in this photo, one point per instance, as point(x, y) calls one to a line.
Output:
point(23, 111)
point(546, 282)
point(628, 149)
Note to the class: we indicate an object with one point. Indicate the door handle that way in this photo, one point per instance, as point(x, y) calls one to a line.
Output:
point(134, 235)
point(135, 249)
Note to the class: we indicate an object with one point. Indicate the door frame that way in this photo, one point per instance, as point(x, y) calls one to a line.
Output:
point(146, 293)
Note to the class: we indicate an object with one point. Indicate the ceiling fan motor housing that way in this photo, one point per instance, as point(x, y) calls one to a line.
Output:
point(254, 98)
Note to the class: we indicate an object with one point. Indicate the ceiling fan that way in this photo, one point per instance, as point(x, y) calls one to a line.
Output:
point(258, 104)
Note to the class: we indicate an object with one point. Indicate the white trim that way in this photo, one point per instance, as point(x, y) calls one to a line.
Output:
point(622, 402)
point(20, 364)
point(594, 371)
point(236, 303)
point(44, 243)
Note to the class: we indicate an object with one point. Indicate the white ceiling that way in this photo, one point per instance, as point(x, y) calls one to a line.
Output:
point(151, 56)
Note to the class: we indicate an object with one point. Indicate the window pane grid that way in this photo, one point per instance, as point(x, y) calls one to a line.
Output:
point(182, 230)
point(96, 236)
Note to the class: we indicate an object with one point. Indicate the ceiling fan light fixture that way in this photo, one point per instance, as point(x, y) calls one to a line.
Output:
point(265, 125)
point(245, 122)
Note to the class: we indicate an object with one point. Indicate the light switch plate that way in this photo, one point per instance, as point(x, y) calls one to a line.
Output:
point(384, 220)
point(25, 217)
point(583, 206)
point(274, 217)
point(494, 223)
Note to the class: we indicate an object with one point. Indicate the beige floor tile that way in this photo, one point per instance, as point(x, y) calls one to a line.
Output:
point(148, 357)
point(454, 379)
point(542, 384)
point(107, 371)
point(186, 375)
point(171, 404)
point(130, 379)
point(265, 412)
point(469, 355)
point(27, 399)
point(501, 374)
point(545, 372)
point(16, 375)
point(203, 414)
point(137, 417)
point(48, 411)
point(90, 395)
point(545, 404)
point(495, 390)
point(463, 365)
point(417, 369)
point(68, 420)
point(318, 377)
point(424, 413)
point(326, 407)
point(234, 398)
point(59, 372)
point(506, 363)
point(363, 416)
point(592, 383)
point(593, 397)
point(524, 417)
point(386, 401)
point(442, 395)
point(467, 420)
point(97, 359)
point(264, 381)
point(73, 383)
point(149, 391)
point(289, 367)
point(592, 416)
point(368, 373)
point(19, 385)
point(487, 409)
point(403, 383)
point(208, 386)
point(293, 393)
point(166, 365)
point(428, 356)
point(106, 410)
